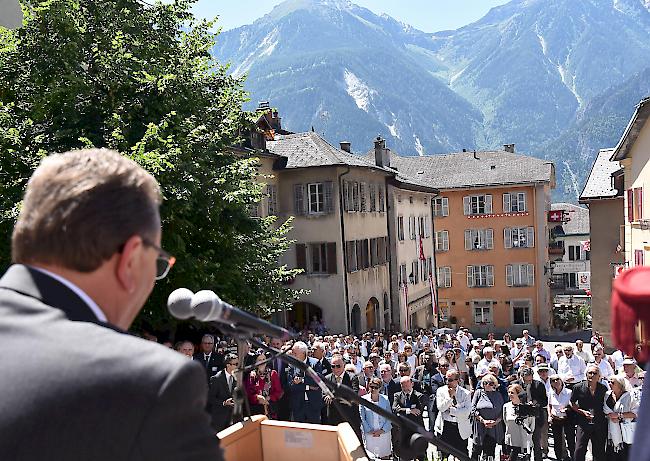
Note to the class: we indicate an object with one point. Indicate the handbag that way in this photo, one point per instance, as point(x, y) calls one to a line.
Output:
point(627, 431)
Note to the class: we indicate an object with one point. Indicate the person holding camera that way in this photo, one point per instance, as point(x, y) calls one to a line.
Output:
point(534, 394)
point(519, 428)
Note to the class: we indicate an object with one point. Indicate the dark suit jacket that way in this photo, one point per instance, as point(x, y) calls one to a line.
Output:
point(393, 388)
point(400, 405)
point(350, 411)
point(214, 365)
point(322, 367)
point(219, 392)
point(75, 388)
point(314, 401)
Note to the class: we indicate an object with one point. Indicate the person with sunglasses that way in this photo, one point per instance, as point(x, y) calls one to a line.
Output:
point(560, 418)
point(454, 404)
point(376, 430)
point(587, 400)
point(86, 253)
point(487, 414)
point(221, 392)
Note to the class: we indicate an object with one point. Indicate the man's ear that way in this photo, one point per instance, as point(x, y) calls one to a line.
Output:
point(127, 263)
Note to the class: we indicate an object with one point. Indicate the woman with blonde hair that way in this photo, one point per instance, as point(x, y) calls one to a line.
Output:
point(519, 431)
point(621, 418)
point(376, 428)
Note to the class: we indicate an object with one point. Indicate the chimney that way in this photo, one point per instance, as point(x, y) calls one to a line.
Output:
point(345, 145)
point(276, 121)
point(263, 105)
point(382, 156)
point(509, 148)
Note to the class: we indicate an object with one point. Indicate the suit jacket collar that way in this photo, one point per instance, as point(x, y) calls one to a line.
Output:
point(40, 286)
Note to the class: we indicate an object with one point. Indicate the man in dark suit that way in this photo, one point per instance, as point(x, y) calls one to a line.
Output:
point(86, 253)
point(281, 366)
point(220, 395)
point(389, 386)
point(535, 393)
point(343, 411)
point(323, 366)
point(430, 380)
point(410, 403)
point(305, 395)
point(211, 361)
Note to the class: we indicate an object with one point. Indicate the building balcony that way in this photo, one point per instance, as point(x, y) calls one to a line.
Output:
point(556, 248)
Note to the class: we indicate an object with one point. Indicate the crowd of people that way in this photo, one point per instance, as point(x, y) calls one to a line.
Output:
point(476, 393)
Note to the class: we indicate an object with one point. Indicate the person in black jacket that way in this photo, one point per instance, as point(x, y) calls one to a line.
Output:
point(535, 394)
point(430, 380)
point(211, 361)
point(220, 394)
point(410, 403)
point(389, 386)
point(343, 411)
point(587, 400)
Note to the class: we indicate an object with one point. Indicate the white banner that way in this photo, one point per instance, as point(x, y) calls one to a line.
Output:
point(584, 280)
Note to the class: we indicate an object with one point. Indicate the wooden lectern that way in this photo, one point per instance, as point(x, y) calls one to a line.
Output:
point(261, 439)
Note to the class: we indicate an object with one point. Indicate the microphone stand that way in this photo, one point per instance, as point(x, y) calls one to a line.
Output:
point(344, 392)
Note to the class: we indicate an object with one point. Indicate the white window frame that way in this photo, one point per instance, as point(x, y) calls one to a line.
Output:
point(486, 316)
point(480, 204)
point(441, 207)
point(317, 206)
point(485, 238)
point(514, 202)
point(442, 240)
point(520, 275)
point(444, 277)
point(483, 274)
point(513, 237)
point(521, 304)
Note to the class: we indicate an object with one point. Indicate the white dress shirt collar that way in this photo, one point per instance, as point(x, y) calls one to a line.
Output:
point(78, 291)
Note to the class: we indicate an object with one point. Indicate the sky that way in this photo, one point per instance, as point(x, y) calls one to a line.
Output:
point(426, 15)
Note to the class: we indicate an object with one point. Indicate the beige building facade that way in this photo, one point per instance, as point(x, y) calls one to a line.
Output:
point(603, 195)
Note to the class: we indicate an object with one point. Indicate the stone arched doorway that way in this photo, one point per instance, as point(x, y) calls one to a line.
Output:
point(302, 314)
point(355, 323)
point(372, 314)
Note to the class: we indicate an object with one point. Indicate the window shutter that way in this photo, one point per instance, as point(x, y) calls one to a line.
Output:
point(331, 258)
point(427, 227)
point(380, 191)
point(489, 239)
point(301, 256)
point(448, 275)
point(507, 237)
point(531, 275)
point(530, 237)
point(327, 196)
point(489, 272)
point(355, 196)
point(630, 205)
point(346, 200)
point(509, 281)
point(446, 240)
point(488, 204)
point(470, 276)
point(468, 239)
point(506, 203)
point(362, 195)
point(445, 206)
point(572, 254)
point(522, 197)
point(299, 199)
point(467, 210)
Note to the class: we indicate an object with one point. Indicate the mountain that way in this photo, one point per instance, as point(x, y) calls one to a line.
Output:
point(556, 77)
point(598, 125)
point(341, 69)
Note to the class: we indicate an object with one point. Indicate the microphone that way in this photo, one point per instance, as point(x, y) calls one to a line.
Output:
point(179, 303)
point(208, 307)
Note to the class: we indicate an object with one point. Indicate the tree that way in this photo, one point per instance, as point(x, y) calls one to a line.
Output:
point(140, 79)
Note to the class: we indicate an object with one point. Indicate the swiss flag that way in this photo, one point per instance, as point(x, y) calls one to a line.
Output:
point(555, 216)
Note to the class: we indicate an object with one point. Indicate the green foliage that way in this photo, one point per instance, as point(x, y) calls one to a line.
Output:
point(139, 78)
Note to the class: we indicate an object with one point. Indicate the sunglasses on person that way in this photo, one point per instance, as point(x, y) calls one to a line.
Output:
point(164, 261)
point(374, 387)
point(451, 380)
point(337, 366)
point(443, 366)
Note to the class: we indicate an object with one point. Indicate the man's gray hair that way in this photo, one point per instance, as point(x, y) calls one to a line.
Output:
point(208, 336)
point(301, 346)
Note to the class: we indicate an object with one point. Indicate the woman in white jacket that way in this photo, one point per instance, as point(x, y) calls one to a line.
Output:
point(621, 418)
point(454, 405)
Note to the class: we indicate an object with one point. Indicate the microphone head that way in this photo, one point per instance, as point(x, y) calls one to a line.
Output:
point(206, 305)
point(179, 303)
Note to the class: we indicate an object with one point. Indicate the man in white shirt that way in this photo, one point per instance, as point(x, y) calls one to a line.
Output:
point(483, 366)
point(582, 353)
point(630, 373)
point(559, 353)
point(454, 405)
point(570, 367)
point(464, 339)
point(527, 338)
